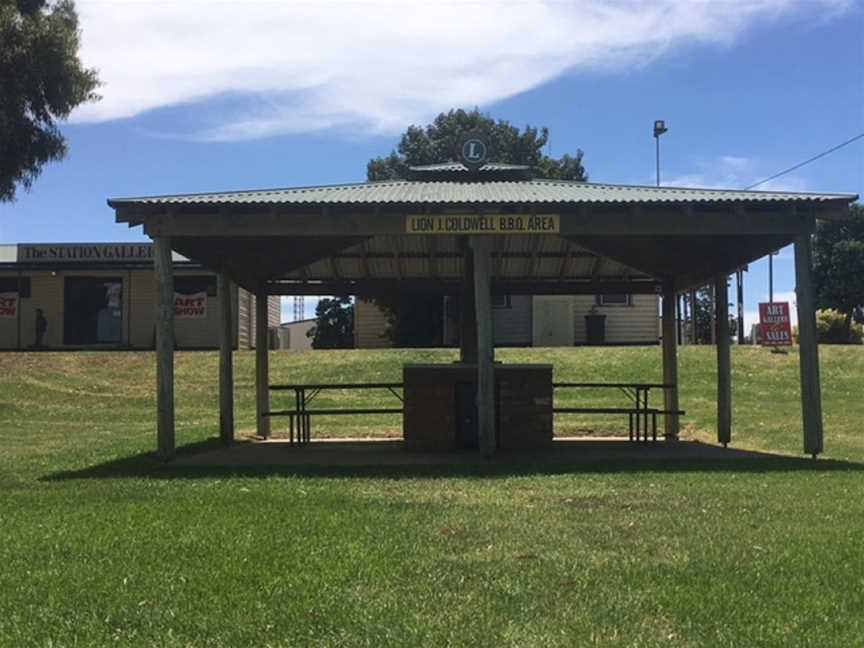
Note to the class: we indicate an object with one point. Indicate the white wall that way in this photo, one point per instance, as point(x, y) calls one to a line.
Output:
point(512, 326)
point(635, 323)
point(370, 323)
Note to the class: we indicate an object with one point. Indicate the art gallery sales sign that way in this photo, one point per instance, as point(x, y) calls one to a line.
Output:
point(775, 327)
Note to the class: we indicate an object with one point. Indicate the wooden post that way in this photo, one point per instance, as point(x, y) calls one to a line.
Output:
point(262, 369)
point(811, 392)
point(485, 348)
point(467, 311)
point(724, 361)
point(164, 268)
point(670, 361)
point(225, 289)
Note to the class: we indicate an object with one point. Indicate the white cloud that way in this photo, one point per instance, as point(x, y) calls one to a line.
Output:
point(734, 172)
point(375, 65)
point(750, 318)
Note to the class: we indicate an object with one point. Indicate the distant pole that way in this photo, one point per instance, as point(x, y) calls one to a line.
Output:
point(693, 339)
point(659, 129)
point(713, 314)
point(739, 277)
point(771, 278)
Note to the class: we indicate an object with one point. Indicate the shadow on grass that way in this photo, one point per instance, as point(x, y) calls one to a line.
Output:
point(388, 459)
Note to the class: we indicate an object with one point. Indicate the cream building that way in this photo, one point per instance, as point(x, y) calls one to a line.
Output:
point(103, 296)
point(540, 320)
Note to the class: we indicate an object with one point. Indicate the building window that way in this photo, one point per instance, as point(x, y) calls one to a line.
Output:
point(190, 285)
point(613, 300)
point(20, 285)
point(500, 301)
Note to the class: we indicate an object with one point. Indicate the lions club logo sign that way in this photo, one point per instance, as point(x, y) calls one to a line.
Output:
point(473, 152)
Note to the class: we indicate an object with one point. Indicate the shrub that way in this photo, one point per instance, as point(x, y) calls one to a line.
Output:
point(831, 328)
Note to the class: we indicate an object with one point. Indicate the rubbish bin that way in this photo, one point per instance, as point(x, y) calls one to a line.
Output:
point(595, 329)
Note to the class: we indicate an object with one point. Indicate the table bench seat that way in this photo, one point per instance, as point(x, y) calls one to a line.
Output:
point(632, 414)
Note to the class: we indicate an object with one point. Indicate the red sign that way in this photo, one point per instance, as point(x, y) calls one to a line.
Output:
point(8, 304)
point(775, 327)
point(192, 306)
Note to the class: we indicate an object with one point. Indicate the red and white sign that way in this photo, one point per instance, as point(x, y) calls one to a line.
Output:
point(775, 326)
point(9, 304)
point(192, 306)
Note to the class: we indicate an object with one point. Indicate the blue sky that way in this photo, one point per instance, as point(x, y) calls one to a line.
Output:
point(271, 94)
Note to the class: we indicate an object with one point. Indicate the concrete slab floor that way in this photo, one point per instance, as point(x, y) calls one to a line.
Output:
point(391, 452)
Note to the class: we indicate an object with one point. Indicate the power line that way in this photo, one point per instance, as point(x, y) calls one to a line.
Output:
point(812, 159)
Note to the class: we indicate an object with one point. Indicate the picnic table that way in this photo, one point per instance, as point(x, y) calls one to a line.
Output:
point(639, 413)
point(304, 394)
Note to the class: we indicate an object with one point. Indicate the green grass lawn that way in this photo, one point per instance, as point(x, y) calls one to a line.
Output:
point(100, 545)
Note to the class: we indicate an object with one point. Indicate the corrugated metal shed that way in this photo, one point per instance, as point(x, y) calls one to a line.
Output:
point(492, 192)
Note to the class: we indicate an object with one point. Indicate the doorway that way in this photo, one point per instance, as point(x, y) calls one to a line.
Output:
point(93, 310)
point(553, 321)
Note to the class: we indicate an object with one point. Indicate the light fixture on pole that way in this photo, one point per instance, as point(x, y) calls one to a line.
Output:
point(659, 129)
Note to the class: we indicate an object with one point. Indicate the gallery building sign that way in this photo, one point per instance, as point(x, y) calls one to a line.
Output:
point(86, 253)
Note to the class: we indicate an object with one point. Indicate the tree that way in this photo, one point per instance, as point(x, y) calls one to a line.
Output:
point(703, 311)
point(42, 81)
point(437, 142)
point(416, 320)
point(838, 267)
point(334, 325)
point(413, 320)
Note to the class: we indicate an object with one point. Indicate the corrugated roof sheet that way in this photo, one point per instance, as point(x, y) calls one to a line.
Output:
point(490, 192)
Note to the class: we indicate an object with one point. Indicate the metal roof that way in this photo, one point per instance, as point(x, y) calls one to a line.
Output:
point(497, 192)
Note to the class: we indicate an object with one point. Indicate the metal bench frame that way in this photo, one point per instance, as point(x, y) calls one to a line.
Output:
point(305, 394)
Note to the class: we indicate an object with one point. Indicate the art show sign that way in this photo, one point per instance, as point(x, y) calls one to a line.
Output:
point(192, 306)
point(9, 304)
point(775, 326)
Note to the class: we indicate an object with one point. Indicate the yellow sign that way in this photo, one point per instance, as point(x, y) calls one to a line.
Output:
point(482, 224)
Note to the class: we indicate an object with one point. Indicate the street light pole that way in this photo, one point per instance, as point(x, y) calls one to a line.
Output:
point(739, 285)
point(659, 129)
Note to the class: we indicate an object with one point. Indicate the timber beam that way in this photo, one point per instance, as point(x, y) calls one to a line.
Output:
point(371, 287)
point(703, 219)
